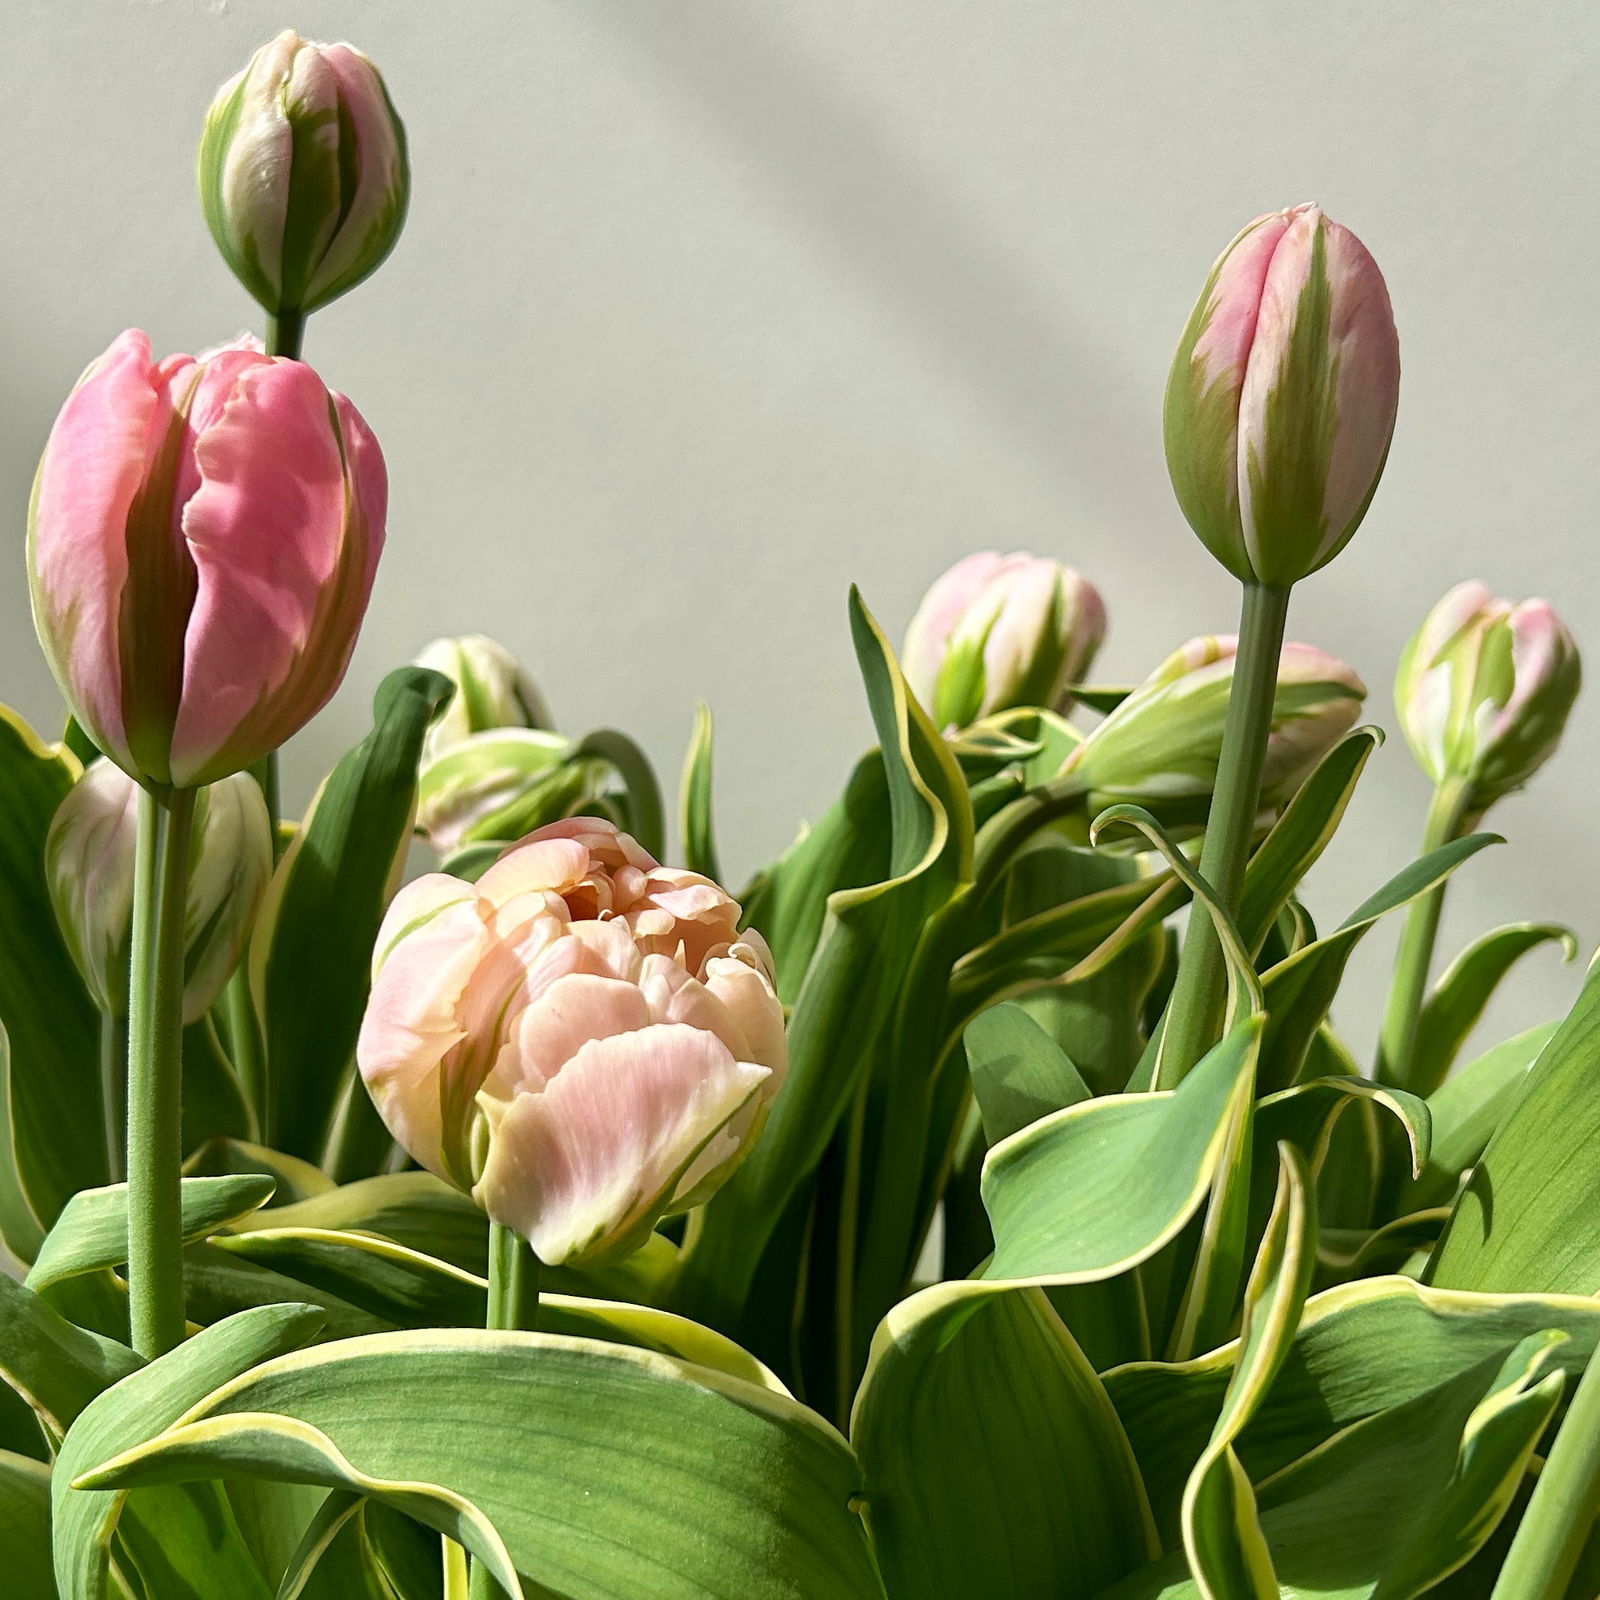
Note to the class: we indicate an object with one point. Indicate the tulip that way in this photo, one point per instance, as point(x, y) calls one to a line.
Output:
point(303, 173)
point(1001, 631)
point(1484, 691)
point(492, 691)
point(1282, 397)
point(1160, 748)
point(473, 789)
point(89, 868)
point(202, 542)
point(583, 1039)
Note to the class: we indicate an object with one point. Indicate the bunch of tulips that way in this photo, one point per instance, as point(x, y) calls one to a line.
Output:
point(931, 1220)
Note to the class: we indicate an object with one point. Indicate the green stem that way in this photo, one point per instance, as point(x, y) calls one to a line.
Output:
point(114, 1093)
point(1566, 1500)
point(286, 333)
point(155, 1072)
point(1195, 1011)
point(513, 1303)
point(1397, 1045)
point(244, 1046)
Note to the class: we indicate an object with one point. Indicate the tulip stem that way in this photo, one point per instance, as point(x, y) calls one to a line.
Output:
point(1194, 1014)
point(155, 1072)
point(1566, 1500)
point(286, 330)
point(114, 1093)
point(1397, 1045)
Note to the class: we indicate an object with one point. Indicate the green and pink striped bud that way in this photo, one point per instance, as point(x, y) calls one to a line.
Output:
point(201, 546)
point(1159, 749)
point(1001, 631)
point(1282, 397)
point(303, 173)
point(1484, 690)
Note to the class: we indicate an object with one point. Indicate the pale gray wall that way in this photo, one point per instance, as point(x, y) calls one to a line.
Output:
point(706, 310)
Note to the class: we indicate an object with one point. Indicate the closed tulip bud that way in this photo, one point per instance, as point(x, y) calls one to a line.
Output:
point(303, 173)
point(1484, 690)
point(492, 691)
point(1282, 397)
point(201, 546)
point(583, 1040)
point(1001, 631)
point(89, 867)
point(466, 790)
point(1159, 748)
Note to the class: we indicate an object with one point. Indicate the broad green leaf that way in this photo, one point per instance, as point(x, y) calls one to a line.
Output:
point(1362, 1348)
point(1306, 1116)
point(1095, 1189)
point(1453, 1008)
point(1513, 1227)
point(695, 826)
point(218, 1285)
point(25, 1527)
point(1466, 1109)
point(334, 1561)
point(993, 1460)
point(56, 1367)
point(609, 1474)
point(1222, 1537)
point(1300, 989)
point(408, 1554)
point(214, 1102)
point(92, 1231)
point(1402, 1499)
point(295, 1179)
point(52, 1133)
point(1019, 1073)
point(311, 952)
point(141, 1405)
point(1301, 834)
point(852, 987)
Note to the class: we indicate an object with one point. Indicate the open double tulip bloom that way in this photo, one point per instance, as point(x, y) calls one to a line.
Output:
point(89, 869)
point(583, 1040)
point(1159, 748)
point(202, 543)
point(1484, 691)
point(1001, 631)
point(1282, 397)
point(303, 173)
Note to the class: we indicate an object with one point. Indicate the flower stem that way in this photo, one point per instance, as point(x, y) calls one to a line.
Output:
point(244, 1047)
point(1194, 1013)
point(1566, 1500)
point(114, 1093)
point(155, 1072)
point(286, 331)
point(513, 1303)
point(1397, 1045)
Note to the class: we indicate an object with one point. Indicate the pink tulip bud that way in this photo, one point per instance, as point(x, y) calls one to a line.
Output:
point(583, 1040)
point(1484, 691)
point(201, 544)
point(1000, 631)
point(1282, 397)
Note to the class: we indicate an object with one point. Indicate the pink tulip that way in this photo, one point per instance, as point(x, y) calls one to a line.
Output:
point(583, 1039)
point(202, 544)
point(1282, 397)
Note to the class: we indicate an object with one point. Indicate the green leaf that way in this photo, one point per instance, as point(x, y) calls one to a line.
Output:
point(993, 1460)
point(1458, 999)
point(1222, 1536)
point(694, 800)
point(1095, 1189)
point(1301, 834)
point(646, 815)
point(848, 999)
point(1513, 1224)
point(25, 1527)
point(1019, 1073)
point(1300, 990)
point(295, 1179)
point(311, 951)
point(92, 1232)
point(56, 1367)
point(1400, 1500)
point(1466, 1109)
point(52, 1132)
point(141, 1405)
point(611, 1474)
